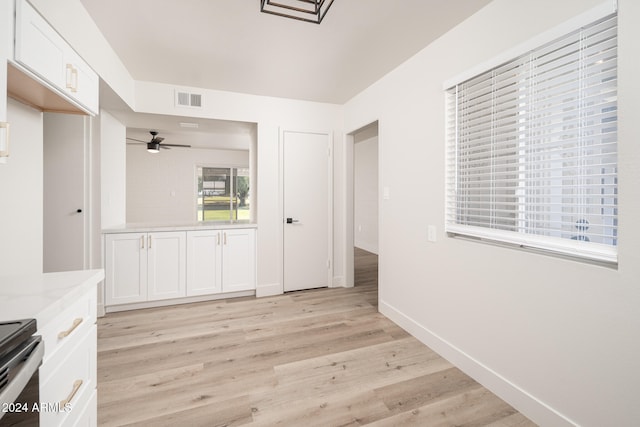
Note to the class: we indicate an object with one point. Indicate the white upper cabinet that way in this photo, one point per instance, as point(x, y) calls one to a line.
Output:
point(44, 53)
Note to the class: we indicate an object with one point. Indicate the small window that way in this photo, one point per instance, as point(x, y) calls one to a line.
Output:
point(532, 148)
point(223, 194)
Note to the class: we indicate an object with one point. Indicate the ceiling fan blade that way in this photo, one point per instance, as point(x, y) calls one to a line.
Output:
point(175, 145)
point(164, 147)
point(133, 139)
point(157, 140)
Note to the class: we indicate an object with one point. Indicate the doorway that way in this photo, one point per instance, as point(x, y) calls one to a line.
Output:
point(307, 208)
point(366, 206)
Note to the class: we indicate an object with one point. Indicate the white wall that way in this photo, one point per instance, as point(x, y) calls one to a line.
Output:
point(559, 339)
point(113, 171)
point(21, 194)
point(365, 192)
point(161, 188)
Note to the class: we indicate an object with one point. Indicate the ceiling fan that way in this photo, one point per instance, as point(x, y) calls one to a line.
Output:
point(154, 146)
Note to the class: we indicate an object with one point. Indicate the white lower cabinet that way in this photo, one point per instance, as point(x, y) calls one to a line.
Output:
point(204, 262)
point(68, 375)
point(166, 265)
point(220, 261)
point(142, 267)
point(238, 260)
point(146, 267)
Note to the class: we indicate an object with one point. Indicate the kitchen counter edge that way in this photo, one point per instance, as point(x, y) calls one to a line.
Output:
point(44, 296)
point(144, 228)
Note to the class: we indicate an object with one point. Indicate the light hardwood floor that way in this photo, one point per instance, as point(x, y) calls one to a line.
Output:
point(315, 358)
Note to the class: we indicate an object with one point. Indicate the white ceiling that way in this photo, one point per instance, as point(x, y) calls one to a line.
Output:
point(229, 45)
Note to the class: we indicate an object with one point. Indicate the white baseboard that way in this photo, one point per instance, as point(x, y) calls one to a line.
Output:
point(269, 290)
point(176, 301)
point(101, 310)
point(339, 282)
point(528, 405)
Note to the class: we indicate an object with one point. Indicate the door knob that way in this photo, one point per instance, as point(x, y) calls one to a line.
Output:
point(79, 210)
point(291, 220)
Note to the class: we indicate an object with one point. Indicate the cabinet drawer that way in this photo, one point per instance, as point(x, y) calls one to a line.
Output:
point(72, 323)
point(73, 382)
point(87, 416)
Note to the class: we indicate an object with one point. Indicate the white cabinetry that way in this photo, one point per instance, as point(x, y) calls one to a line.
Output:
point(144, 267)
point(68, 371)
point(238, 260)
point(42, 51)
point(6, 49)
point(204, 262)
point(166, 263)
point(220, 261)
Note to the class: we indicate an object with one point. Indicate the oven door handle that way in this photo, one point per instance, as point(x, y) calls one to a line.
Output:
point(33, 352)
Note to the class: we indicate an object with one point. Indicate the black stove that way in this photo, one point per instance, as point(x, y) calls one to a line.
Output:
point(20, 357)
point(14, 333)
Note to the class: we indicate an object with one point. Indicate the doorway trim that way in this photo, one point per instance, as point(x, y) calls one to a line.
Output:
point(349, 196)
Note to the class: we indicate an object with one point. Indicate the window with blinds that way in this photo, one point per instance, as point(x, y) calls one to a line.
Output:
point(532, 148)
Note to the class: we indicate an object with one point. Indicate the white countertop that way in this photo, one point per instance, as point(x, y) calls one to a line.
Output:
point(151, 227)
point(43, 296)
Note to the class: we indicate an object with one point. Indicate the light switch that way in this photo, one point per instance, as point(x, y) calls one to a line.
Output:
point(431, 233)
point(385, 193)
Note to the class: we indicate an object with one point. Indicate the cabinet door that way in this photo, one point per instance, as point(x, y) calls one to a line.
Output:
point(166, 256)
point(38, 47)
point(204, 257)
point(41, 50)
point(81, 81)
point(125, 268)
point(238, 260)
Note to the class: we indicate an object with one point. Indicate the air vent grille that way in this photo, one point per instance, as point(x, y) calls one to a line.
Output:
point(186, 99)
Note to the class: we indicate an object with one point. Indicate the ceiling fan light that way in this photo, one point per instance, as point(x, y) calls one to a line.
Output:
point(153, 147)
point(302, 10)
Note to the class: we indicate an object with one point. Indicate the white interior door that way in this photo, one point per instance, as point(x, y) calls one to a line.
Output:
point(65, 145)
point(306, 208)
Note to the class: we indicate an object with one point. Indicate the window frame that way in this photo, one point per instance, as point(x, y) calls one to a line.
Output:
point(233, 207)
point(564, 246)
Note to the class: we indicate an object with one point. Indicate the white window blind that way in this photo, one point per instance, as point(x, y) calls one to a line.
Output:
point(532, 148)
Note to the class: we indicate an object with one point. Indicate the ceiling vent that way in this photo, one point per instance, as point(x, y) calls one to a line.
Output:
point(186, 99)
